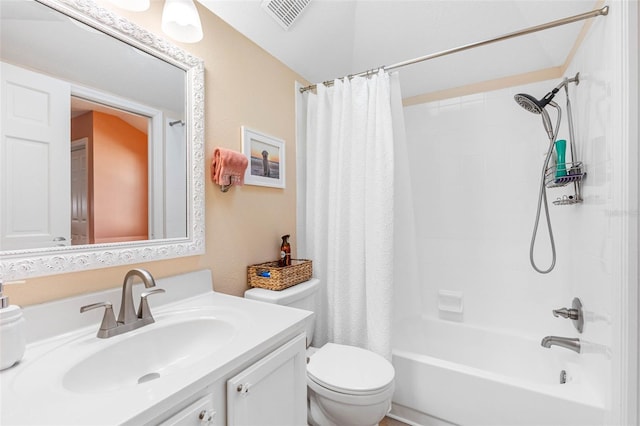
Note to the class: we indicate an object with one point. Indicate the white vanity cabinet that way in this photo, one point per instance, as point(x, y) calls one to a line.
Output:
point(236, 362)
point(272, 391)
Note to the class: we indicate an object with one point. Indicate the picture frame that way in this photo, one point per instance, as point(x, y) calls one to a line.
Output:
point(266, 155)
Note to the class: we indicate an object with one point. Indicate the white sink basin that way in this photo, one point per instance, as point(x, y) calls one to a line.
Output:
point(150, 354)
point(177, 341)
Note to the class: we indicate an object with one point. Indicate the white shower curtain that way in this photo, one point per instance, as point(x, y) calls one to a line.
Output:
point(349, 220)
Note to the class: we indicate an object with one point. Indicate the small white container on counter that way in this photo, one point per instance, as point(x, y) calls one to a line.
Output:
point(12, 333)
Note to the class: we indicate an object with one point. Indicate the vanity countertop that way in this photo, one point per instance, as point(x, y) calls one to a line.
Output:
point(34, 392)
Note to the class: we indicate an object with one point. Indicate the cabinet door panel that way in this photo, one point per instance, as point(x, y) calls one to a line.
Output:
point(273, 391)
point(200, 413)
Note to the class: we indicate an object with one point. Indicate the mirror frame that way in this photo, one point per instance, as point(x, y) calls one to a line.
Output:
point(20, 264)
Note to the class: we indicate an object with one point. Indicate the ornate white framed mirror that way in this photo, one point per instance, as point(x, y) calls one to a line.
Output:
point(102, 149)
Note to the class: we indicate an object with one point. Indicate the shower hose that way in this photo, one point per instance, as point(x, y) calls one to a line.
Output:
point(542, 199)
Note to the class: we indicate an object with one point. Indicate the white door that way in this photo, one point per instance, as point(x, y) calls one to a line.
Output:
point(273, 391)
point(34, 160)
point(79, 193)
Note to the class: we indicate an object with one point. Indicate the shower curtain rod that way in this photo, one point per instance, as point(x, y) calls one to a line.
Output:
point(592, 14)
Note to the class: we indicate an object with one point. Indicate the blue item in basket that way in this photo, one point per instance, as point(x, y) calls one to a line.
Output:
point(265, 274)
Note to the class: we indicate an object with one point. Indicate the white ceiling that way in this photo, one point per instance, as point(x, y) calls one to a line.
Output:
point(334, 38)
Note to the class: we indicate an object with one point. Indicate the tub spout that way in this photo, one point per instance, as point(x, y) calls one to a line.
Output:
point(565, 342)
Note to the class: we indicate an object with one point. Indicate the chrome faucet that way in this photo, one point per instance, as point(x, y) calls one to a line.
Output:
point(127, 318)
point(127, 313)
point(565, 342)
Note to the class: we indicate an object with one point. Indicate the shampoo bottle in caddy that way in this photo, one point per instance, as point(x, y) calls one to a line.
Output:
point(285, 251)
point(561, 148)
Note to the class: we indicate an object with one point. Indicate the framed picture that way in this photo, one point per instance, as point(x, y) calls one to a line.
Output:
point(266, 159)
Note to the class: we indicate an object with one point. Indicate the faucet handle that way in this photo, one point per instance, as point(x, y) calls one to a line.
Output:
point(574, 314)
point(143, 309)
point(108, 320)
point(566, 313)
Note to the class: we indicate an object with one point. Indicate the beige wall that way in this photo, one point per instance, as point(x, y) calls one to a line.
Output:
point(244, 86)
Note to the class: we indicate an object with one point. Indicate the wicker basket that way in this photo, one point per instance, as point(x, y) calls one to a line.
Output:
point(273, 277)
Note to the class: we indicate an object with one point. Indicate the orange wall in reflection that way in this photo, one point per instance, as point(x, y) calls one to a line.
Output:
point(118, 178)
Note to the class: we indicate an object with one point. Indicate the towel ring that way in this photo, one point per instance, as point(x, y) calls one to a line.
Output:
point(232, 180)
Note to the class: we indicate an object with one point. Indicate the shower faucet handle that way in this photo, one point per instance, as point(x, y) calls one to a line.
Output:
point(574, 314)
point(566, 313)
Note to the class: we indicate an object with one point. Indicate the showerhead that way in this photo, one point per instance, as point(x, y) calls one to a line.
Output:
point(535, 106)
point(529, 103)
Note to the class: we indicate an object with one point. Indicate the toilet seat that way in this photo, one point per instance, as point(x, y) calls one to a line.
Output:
point(350, 370)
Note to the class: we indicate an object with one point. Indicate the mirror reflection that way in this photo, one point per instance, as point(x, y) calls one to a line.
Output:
point(93, 130)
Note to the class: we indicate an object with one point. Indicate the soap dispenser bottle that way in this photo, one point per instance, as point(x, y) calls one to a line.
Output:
point(285, 252)
point(12, 337)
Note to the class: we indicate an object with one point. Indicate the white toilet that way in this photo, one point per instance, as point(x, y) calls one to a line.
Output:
point(346, 385)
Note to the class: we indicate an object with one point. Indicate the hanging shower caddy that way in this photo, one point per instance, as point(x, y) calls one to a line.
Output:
point(574, 175)
point(572, 172)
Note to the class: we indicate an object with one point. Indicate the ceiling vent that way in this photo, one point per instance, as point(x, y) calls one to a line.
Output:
point(285, 12)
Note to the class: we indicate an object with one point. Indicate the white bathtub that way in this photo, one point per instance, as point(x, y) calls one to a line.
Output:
point(449, 372)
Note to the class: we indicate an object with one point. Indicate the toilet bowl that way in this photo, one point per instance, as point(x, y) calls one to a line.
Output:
point(346, 385)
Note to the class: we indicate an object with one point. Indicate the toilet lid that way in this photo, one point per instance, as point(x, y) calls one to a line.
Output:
point(350, 370)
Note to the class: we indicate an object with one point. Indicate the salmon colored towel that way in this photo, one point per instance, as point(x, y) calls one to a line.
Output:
point(228, 167)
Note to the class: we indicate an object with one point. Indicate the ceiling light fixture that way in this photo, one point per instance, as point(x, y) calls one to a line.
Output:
point(180, 19)
point(133, 5)
point(181, 22)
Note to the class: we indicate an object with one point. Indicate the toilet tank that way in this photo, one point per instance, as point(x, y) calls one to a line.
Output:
point(301, 296)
